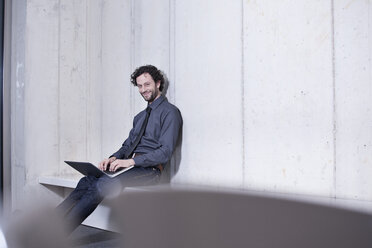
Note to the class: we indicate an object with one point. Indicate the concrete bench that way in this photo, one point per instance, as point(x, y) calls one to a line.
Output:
point(63, 185)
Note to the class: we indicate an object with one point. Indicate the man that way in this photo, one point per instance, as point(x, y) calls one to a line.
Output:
point(160, 124)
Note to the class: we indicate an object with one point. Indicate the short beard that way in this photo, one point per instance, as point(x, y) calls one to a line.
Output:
point(153, 96)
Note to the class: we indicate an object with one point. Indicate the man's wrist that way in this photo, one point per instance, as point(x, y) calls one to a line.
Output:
point(132, 162)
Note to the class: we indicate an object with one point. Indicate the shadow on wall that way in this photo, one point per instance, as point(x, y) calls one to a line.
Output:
point(166, 84)
point(173, 165)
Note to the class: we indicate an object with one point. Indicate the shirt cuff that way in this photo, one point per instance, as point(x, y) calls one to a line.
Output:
point(139, 160)
point(116, 155)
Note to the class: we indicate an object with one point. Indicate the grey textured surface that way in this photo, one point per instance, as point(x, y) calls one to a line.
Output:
point(84, 237)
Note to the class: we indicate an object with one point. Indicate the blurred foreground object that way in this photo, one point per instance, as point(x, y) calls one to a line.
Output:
point(37, 229)
point(184, 218)
point(2, 240)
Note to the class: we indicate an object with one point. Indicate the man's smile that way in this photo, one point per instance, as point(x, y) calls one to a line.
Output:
point(146, 94)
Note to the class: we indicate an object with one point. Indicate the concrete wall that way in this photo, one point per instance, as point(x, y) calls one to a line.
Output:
point(275, 95)
point(353, 98)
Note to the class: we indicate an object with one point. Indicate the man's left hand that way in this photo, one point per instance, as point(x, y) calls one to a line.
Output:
point(121, 163)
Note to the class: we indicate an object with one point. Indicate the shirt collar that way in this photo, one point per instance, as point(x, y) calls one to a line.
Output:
point(157, 102)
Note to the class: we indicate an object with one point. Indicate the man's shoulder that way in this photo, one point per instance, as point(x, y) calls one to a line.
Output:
point(169, 112)
point(171, 106)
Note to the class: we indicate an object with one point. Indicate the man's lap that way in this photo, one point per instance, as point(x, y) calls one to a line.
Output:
point(137, 176)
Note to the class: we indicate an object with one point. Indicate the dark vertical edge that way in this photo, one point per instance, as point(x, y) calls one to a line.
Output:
point(6, 110)
point(2, 99)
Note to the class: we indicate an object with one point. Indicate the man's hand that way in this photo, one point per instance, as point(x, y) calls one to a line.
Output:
point(105, 163)
point(121, 163)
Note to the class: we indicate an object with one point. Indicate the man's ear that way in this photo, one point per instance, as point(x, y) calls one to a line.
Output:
point(157, 84)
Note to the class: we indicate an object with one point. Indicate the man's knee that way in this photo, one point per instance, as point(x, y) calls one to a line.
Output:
point(86, 182)
point(108, 186)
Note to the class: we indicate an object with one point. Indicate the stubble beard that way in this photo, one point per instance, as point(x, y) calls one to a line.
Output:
point(152, 96)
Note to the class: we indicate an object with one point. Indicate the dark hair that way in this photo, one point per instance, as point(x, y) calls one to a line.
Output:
point(150, 69)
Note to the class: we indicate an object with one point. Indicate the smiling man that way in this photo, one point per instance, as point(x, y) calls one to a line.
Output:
point(148, 148)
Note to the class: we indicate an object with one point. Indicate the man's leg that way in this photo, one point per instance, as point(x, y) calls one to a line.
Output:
point(106, 186)
point(76, 194)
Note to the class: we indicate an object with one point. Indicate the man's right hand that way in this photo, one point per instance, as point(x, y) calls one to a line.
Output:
point(106, 162)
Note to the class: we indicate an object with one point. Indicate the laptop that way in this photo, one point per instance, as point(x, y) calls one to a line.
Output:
point(87, 168)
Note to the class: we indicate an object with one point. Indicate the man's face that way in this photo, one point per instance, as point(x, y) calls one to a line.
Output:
point(147, 87)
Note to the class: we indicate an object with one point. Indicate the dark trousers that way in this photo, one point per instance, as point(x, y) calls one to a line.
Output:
point(91, 190)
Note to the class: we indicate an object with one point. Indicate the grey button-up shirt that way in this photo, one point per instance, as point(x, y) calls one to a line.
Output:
point(162, 131)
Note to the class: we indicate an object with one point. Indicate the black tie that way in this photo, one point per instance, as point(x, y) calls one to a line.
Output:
point(138, 138)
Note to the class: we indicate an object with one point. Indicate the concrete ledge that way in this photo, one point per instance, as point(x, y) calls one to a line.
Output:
point(71, 181)
point(62, 181)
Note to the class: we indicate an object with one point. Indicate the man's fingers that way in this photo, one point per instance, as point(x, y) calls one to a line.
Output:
point(113, 165)
point(102, 165)
point(105, 163)
point(116, 164)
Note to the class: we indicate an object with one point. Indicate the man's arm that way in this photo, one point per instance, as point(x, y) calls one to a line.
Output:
point(112, 161)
